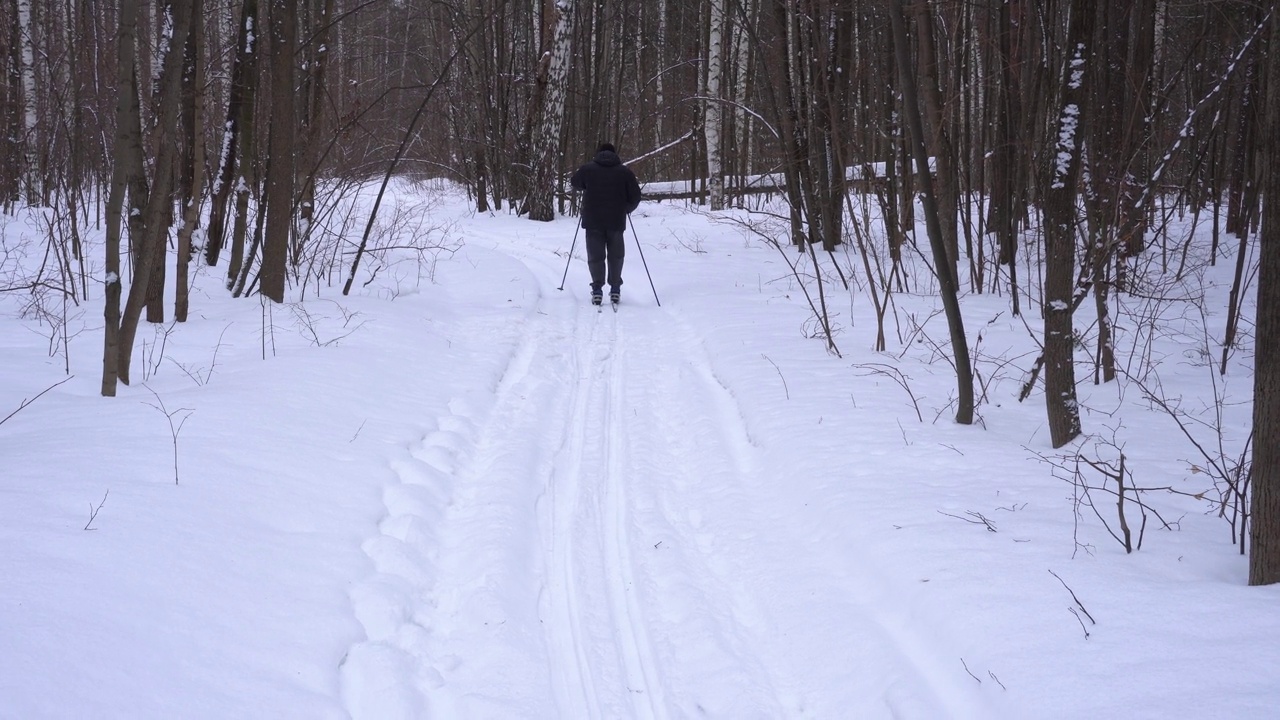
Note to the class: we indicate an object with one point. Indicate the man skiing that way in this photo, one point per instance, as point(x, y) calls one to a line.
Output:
point(610, 193)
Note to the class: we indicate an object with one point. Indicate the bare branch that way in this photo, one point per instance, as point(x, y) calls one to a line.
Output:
point(26, 402)
point(93, 511)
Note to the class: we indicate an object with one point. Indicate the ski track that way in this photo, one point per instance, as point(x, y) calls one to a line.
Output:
point(691, 452)
point(583, 548)
point(573, 679)
point(628, 617)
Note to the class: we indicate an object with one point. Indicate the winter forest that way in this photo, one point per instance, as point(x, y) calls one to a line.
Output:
point(1092, 177)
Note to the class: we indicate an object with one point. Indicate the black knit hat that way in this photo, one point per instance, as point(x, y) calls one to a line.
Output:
point(607, 147)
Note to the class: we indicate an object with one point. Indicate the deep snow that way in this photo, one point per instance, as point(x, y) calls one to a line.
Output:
point(463, 493)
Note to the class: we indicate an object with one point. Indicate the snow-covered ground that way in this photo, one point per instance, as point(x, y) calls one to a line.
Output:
point(463, 493)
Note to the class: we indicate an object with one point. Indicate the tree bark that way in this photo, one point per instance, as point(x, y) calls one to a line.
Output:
point(1264, 514)
point(313, 125)
point(32, 178)
point(280, 173)
point(1060, 230)
point(243, 78)
point(127, 156)
point(944, 269)
point(246, 176)
point(944, 176)
point(713, 114)
point(539, 204)
point(193, 166)
point(1006, 155)
point(157, 217)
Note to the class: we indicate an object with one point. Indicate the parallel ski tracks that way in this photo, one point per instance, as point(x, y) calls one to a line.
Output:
point(608, 636)
point(599, 626)
point(572, 678)
point(589, 546)
point(584, 411)
point(637, 655)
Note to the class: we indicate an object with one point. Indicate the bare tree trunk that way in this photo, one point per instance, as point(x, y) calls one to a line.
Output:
point(127, 157)
point(1002, 219)
point(945, 175)
point(1242, 203)
point(280, 173)
point(1264, 514)
point(239, 120)
point(794, 148)
point(32, 181)
point(10, 131)
point(945, 270)
point(713, 122)
point(1105, 360)
point(660, 79)
point(158, 215)
point(313, 124)
point(1138, 125)
point(246, 182)
point(1060, 230)
point(895, 182)
point(740, 27)
point(554, 69)
point(193, 168)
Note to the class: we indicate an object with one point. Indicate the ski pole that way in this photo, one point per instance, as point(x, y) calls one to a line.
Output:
point(643, 261)
point(570, 258)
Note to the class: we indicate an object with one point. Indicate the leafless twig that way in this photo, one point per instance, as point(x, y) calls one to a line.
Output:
point(196, 376)
point(895, 375)
point(784, 380)
point(26, 402)
point(1077, 602)
point(993, 677)
point(93, 511)
point(1082, 625)
point(173, 429)
point(974, 517)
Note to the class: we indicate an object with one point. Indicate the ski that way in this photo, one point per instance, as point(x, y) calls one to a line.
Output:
point(615, 306)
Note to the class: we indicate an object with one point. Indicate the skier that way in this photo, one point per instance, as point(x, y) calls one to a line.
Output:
point(610, 193)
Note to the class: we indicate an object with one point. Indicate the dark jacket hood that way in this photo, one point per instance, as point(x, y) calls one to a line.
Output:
point(607, 158)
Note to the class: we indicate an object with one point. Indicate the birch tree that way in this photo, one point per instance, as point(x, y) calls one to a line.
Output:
point(740, 25)
point(32, 185)
point(712, 117)
point(553, 69)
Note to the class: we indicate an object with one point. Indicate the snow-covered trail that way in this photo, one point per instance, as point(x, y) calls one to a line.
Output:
point(461, 493)
point(608, 547)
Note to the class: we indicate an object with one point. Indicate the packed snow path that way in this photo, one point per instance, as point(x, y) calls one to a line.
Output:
point(607, 550)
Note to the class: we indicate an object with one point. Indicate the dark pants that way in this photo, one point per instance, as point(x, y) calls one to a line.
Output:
point(605, 247)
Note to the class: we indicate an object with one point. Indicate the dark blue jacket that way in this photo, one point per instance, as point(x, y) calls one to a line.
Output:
point(610, 192)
